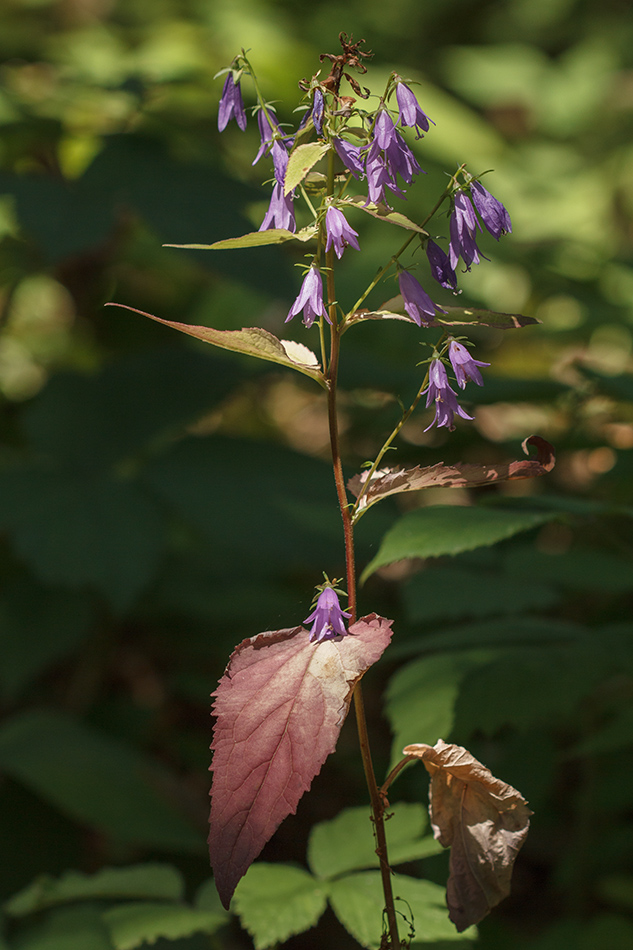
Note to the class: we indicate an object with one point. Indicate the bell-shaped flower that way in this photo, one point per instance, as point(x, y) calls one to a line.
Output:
point(310, 299)
point(318, 108)
point(440, 393)
point(417, 302)
point(410, 112)
point(491, 211)
point(379, 177)
point(327, 617)
point(463, 226)
point(231, 105)
point(440, 266)
point(267, 127)
point(280, 212)
point(384, 130)
point(351, 156)
point(464, 366)
point(338, 232)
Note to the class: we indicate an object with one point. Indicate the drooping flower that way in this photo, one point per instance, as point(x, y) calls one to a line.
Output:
point(318, 107)
point(310, 299)
point(464, 366)
point(492, 212)
point(417, 302)
point(280, 212)
point(463, 225)
point(384, 130)
point(279, 154)
point(402, 160)
point(410, 112)
point(379, 177)
point(439, 392)
point(339, 233)
point(327, 617)
point(351, 156)
point(440, 265)
point(266, 131)
point(231, 105)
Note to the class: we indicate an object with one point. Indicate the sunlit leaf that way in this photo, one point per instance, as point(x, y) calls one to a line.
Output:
point(454, 317)
point(276, 901)
point(481, 819)
point(279, 709)
point(252, 239)
point(301, 160)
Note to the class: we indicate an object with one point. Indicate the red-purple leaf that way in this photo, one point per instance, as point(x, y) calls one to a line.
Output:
point(461, 475)
point(279, 709)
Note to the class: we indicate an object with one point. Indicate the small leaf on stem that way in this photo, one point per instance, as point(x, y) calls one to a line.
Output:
point(279, 709)
point(481, 819)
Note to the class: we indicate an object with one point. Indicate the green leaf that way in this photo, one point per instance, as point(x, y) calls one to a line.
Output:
point(94, 779)
point(346, 843)
point(275, 901)
point(144, 922)
point(76, 530)
point(358, 903)
point(141, 880)
point(421, 697)
point(253, 239)
point(447, 593)
point(37, 627)
point(250, 341)
point(384, 213)
point(301, 160)
point(454, 317)
point(451, 529)
point(68, 928)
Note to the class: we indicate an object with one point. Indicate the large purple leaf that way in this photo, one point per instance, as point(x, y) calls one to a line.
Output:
point(279, 709)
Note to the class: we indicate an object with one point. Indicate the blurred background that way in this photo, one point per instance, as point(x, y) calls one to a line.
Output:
point(160, 501)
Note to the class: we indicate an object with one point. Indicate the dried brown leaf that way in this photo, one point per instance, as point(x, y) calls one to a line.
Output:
point(481, 819)
point(391, 481)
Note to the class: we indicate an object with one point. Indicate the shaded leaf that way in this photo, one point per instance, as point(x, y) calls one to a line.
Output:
point(252, 239)
point(276, 901)
point(94, 779)
point(67, 928)
point(279, 706)
point(141, 880)
point(301, 160)
point(358, 900)
point(346, 843)
point(251, 341)
point(481, 819)
point(384, 213)
point(451, 529)
point(392, 481)
point(454, 317)
point(132, 924)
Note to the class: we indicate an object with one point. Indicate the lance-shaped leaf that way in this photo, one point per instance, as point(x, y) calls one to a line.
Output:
point(252, 341)
point(481, 819)
point(392, 481)
point(301, 160)
point(384, 213)
point(454, 317)
point(279, 709)
point(253, 239)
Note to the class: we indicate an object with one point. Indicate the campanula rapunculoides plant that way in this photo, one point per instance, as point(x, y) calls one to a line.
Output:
point(283, 698)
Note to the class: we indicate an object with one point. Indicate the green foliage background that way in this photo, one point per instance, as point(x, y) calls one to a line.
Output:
point(160, 501)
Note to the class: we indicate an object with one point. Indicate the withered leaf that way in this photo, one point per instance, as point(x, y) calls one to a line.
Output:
point(252, 341)
point(391, 481)
point(481, 819)
point(279, 709)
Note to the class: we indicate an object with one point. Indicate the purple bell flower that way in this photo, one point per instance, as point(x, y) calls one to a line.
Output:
point(417, 302)
point(464, 366)
point(379, 177)
point(439, 392)
point(280, 212)
point(440, 266)
point(266, 131)
point(410, 112)
point(463, 225)
point(318, 108)
point(491, 211)
point(327, 617)
point(351, 156)
point(231, 105)
point(339, 233)
point(310, 299)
